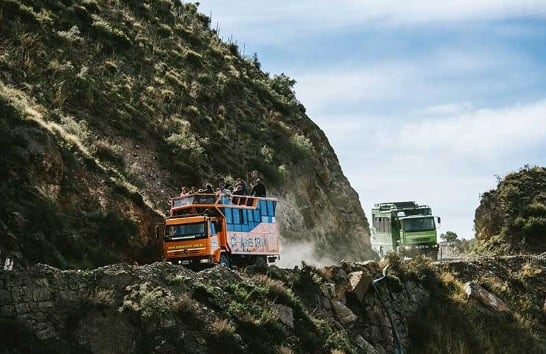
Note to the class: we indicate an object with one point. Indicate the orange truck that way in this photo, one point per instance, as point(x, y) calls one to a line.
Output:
point(206, 229)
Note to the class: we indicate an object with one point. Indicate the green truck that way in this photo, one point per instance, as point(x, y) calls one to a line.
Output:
point(406, 228)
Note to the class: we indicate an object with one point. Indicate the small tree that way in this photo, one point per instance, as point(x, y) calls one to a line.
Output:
point(449, 236)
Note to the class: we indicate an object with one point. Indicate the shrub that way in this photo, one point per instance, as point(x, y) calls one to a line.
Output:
point(91, 6)
point(164, 31)
point(104, 29)
point(103, 297)
point(107, 152)
point(303, 143)
point(186, 141)
point(338, 342)
point(193, 57)
point(148, 301)
point(220, 328)
point(233, 49)
point(72, 35)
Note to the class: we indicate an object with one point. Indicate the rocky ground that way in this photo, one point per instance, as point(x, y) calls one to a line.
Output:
point(346, 308)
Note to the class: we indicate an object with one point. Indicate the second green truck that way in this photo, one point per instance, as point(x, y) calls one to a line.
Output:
point(406, 228)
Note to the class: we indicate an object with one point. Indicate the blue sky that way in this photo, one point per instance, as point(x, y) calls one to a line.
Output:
point(425, 101)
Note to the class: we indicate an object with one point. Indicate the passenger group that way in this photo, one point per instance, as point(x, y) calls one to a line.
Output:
point(239, 189)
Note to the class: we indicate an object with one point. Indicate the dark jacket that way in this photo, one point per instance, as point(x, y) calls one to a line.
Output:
point(258, 190)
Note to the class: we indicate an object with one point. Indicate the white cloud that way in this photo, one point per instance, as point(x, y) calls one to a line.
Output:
point(350, 85)
point(461, 138)
point(443, 74)
point(440, 11)
point(259, 20)
point(480, 135)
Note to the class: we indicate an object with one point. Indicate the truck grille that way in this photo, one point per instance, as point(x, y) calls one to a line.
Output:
point(419, 240)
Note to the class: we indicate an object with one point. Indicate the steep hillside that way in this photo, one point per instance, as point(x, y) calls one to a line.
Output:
point(512, 218)
point(108, 107)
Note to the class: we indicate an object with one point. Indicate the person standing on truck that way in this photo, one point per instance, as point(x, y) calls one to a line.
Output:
point(258, 190)
point(184, 191)
point(241, 183)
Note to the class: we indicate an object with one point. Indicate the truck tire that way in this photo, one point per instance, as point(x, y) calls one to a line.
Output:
point(432, 255)
point(261, 261)
point(224, 260)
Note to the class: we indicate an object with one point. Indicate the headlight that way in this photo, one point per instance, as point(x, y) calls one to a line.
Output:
point(204, 260)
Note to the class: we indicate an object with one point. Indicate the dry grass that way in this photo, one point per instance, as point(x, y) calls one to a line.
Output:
point(184, 304)
point(455, 286)
point(222, 327)
point(284, 350)
point(103, 297)
point(531, 270)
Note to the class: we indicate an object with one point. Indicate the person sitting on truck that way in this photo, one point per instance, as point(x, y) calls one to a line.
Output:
point(209, 189)
point(184, 191)
point(258, 190)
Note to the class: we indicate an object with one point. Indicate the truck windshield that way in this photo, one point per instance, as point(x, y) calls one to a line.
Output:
point(185, 231)
point(418, 224)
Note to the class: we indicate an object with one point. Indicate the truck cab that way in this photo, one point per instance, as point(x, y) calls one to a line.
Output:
point(192, 240)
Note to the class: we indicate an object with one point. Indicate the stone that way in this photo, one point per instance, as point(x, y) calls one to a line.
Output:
point(40, 294)
point(365, 345)
point(325, 302)
point(475, 291)
point(284, 313)
point(22, 308)
point(358, 283)
point(328, 290)
point(343, 313)
point(5, 297)
point(47, 333)
point(7, 310)
point(372, 266)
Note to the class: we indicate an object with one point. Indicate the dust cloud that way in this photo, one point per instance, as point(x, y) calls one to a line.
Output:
point(294, 253)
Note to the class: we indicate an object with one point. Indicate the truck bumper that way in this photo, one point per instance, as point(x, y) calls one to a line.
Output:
point(193, 261)
point(419, 249)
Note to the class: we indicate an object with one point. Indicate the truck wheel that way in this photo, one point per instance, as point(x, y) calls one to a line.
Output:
point(261, 261)
point(224, 260)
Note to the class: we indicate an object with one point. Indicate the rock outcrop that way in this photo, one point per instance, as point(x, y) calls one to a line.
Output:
point(349, 307)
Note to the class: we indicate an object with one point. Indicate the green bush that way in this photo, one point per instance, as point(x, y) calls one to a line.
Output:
point(150, 302)
point(113, 35)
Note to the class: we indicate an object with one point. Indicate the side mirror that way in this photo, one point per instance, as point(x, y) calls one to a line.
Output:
point(439, 220)
point(158, 230)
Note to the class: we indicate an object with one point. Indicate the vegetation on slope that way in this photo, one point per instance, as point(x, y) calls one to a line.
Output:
point(512, 217)
point(454, 323)
point(108, 107)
